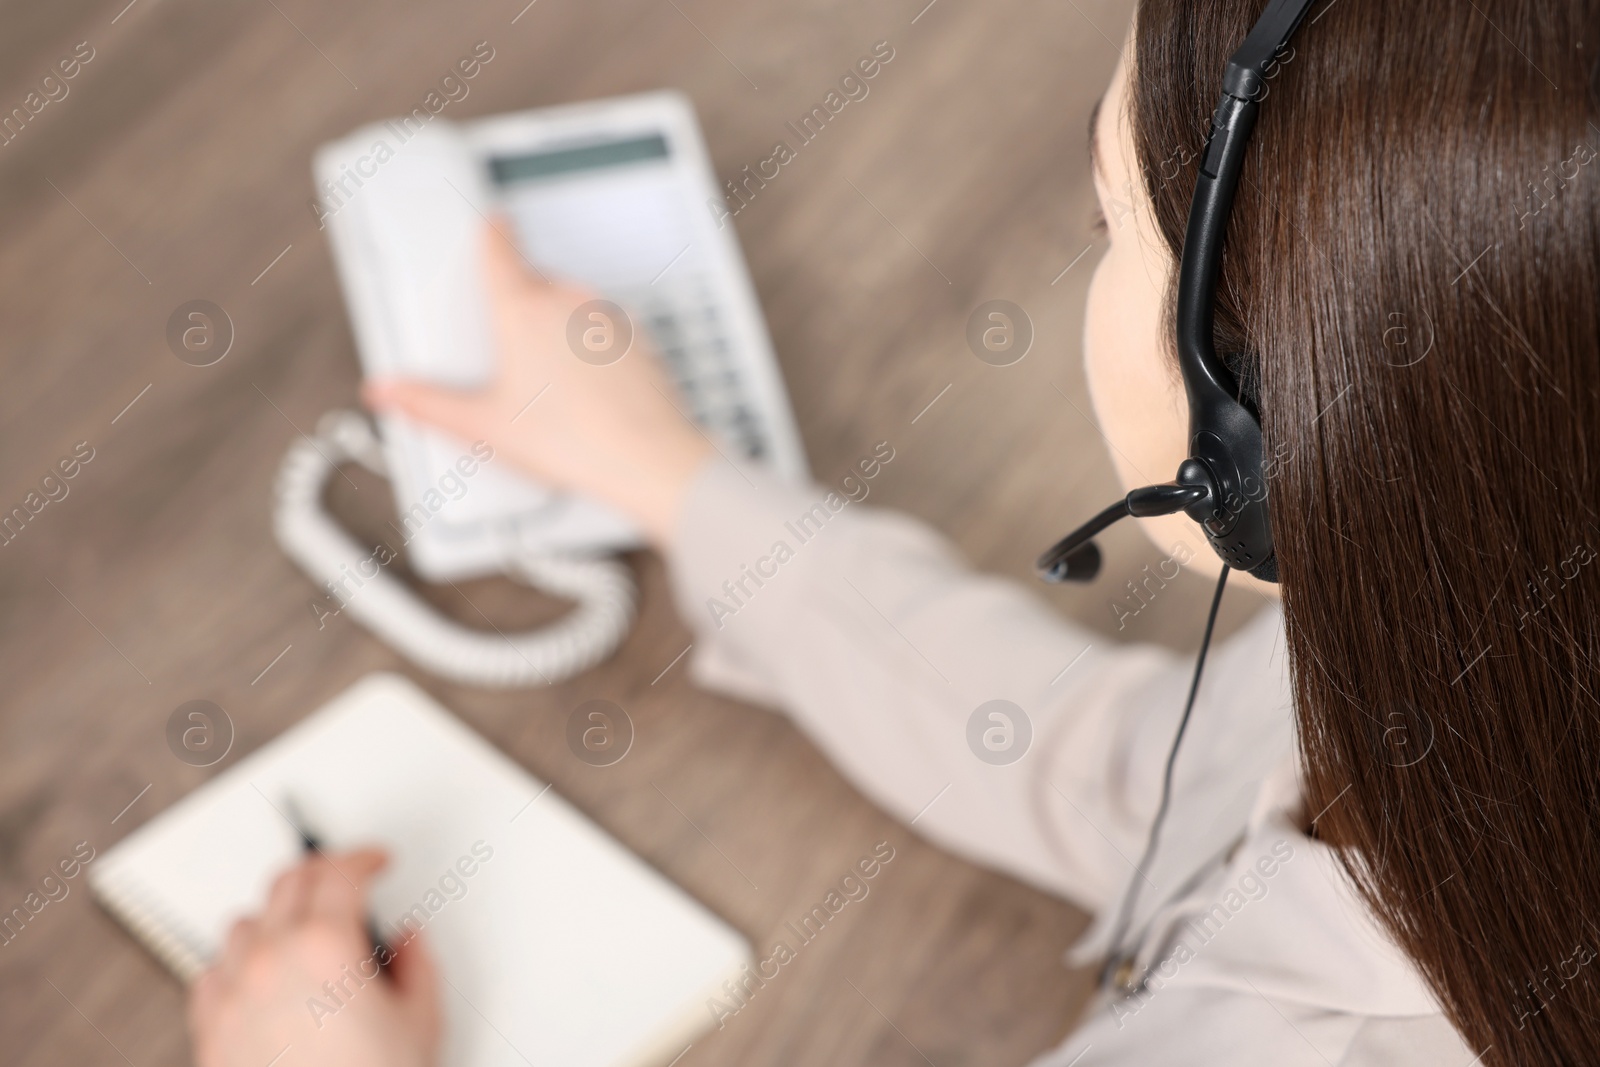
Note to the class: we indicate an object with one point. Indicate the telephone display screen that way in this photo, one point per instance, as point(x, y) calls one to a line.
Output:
point(622, 217)
point(610, 214)
point(508, 170)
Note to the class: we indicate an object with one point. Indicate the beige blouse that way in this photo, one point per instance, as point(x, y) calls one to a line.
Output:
point(868, 630)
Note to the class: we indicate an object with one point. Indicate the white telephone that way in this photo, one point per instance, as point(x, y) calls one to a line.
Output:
point(618, 195)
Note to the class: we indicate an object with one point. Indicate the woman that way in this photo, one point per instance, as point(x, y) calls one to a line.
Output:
point(1383, 843)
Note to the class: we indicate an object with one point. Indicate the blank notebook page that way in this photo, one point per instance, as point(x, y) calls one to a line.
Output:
point(560, 947)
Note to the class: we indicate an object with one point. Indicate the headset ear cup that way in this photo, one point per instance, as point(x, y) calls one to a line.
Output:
point(1268, 571)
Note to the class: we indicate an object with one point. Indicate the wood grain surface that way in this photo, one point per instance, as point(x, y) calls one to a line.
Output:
point(176, 167)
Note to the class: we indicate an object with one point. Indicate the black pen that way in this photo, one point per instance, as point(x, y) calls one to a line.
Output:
point(310, 842)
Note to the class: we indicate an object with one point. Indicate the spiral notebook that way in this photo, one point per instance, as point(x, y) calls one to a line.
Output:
point(559, 945)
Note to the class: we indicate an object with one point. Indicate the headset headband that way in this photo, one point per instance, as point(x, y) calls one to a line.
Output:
point(1222, 484)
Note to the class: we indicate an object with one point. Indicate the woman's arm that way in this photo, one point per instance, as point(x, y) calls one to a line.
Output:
point(869, 630)
point(864, 625)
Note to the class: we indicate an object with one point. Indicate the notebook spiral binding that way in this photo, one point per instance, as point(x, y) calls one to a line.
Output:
point(162, 934)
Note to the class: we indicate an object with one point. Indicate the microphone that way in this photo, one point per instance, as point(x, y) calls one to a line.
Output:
point(1076, 558)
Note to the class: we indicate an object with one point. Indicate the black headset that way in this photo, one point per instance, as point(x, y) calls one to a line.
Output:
point(1222, 485)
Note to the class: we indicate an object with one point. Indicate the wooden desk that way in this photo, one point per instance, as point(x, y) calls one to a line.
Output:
point(176, 168)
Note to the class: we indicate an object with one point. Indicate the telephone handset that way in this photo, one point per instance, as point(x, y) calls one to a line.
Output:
point(612, 194)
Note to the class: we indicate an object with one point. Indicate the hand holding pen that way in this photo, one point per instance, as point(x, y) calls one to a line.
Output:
point(311, 845)
point(294, 975)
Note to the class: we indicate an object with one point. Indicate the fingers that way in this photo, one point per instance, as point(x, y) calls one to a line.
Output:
point(463, 414)
point(515, 284)
point(505, 267)
point(208, 998)
point(412, 965)
point(204, 996)
point(286, 903)
point(416, 979)
point(326, 886)
point(359, 865)
point(241, 939)
point(514, 287)
point(337, 889)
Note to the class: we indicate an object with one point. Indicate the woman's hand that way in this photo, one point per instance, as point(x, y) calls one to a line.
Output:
point(296, 977)
point(614, 432)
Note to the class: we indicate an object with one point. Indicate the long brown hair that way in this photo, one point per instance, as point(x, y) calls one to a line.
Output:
point(1411, 289)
